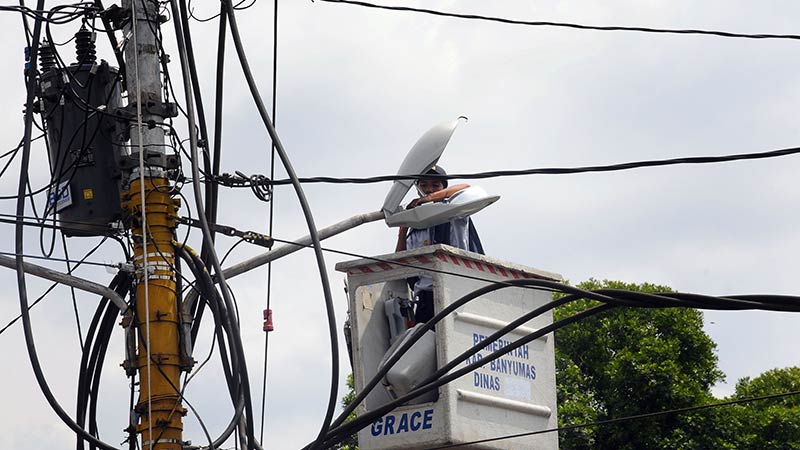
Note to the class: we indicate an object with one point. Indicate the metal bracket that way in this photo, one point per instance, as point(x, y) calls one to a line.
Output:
point(249, 236)
point(160, 160)
point(154, 107)
point(116, 16)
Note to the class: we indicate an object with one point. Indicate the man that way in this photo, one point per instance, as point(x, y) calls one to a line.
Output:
point(458, 232)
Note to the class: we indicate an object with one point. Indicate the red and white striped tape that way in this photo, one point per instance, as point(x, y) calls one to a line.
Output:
point(416, 261)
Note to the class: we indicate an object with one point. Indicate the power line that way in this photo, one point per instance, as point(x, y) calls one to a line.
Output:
point(555, 170)
point(389, 261)
point(630, 418)
point(66, 260)
point(271, 208)
point(576, 26)
point(78, 11)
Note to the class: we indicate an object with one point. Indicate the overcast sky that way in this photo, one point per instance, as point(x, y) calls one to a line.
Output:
point(357, 87)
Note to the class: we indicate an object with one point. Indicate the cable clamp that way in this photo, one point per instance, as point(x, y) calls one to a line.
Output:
point(126, 267)
point(258, 239)
point(153, 255)
point(260, 185)
point(251, 237)
point(162, 440)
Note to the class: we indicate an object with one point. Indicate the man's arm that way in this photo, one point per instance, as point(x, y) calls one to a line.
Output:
point(441, 195)
point(435, 197)
point(401, 239)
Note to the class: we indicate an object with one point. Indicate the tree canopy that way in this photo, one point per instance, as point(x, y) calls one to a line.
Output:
point(768, 424)
point(630, 361)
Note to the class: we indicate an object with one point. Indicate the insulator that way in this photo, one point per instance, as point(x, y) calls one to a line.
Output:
point(47, 57)
point(85, 47)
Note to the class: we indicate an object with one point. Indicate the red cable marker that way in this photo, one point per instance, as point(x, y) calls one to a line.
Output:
point(268, 320)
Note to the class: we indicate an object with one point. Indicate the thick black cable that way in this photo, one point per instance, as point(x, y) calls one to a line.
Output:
point(84, 374)
point(229, 367)
point(19, 246)
point(25, 26)
point(33, 202)
point(19, 243)
point(575, 293)
point(351, 427)
point(199, 307)
point(429, 325)
point(212, 191)
point(610, 296)
point(106, 329)
point(112, 39)
point(201, 116)
point(211, 295)
point(576, 26)
point(13, 154)
point(727, 302)
point(630, 418)
point(38, 14)
point(699, 301)
point(554, 170)
point(312, 228)
point(219, 88)
point(235, 387)
point(251, 445)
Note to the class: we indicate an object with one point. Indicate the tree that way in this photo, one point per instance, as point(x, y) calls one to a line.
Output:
point(630, 361)
point(769, 424)
point(351, 443)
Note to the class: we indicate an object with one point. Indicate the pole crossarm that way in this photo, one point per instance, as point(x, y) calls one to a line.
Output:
point(286, 249)
point(68, 280)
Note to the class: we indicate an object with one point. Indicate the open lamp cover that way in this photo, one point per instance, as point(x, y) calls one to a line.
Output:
point(421, 158)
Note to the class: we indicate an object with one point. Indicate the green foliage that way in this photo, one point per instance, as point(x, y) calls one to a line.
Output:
point(631, 361)
point(350, 443)
point(769, 424)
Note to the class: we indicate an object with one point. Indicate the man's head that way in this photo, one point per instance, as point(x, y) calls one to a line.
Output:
point(426, 186)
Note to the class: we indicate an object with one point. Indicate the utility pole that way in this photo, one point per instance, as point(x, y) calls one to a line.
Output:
point(148, 201)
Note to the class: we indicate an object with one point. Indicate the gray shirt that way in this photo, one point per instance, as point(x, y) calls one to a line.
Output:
point(459, 238)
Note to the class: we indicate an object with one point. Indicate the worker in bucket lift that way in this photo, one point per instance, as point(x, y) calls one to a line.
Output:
point(458, 232)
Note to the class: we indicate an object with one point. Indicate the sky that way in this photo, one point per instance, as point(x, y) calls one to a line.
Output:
point(357, 87)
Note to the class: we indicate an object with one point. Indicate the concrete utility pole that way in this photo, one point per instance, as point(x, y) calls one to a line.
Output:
point(149, 201)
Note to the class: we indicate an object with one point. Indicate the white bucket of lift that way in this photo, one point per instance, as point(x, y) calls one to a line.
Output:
point(513, 394)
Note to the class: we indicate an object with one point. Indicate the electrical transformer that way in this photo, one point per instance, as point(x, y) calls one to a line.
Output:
point(77, 105)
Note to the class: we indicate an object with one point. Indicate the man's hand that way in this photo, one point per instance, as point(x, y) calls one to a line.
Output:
point(416, 202)
point(437, 196)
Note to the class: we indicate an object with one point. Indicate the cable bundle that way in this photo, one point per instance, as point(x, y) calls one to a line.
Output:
point(606, 298)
